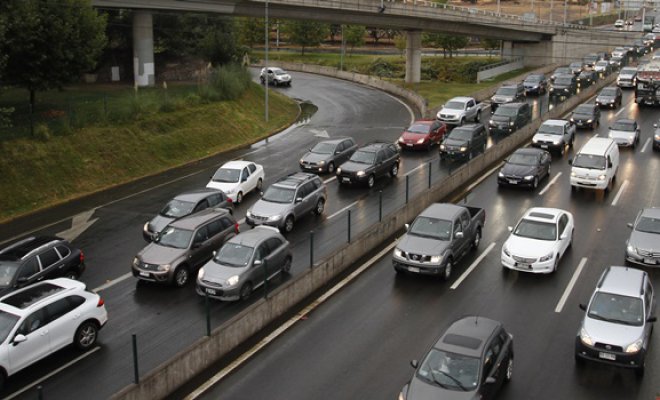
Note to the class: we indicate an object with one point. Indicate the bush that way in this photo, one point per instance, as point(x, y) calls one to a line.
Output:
point(42, 132)
point(227, 82)
point(62, 127)
point(384, 69)
point(452, 71)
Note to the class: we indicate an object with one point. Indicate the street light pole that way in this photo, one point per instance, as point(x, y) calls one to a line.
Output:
point(498, 7)
point(343, 43)
point(565, 10)
point(266, 62)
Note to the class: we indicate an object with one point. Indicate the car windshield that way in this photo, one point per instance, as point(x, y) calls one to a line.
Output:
point(589, 161)
point(608, 92)
point(276, 194)
point(7, 322)
point(431, 228)
point(523, 159)
point(536, 230)
point(323, 148)
point(576, 65)
point(628, 71)
point(174, 237)
point(455, 105)
point(564, 70)
point(461, 134)
point(648, 225)
point(506, 111)
point(623, 126)
point(563, 80)
point(617, 309)
point(551, 129)
point(418, 128)
point(533, 78)
point(7, 272)
point(279, 72)
point(602, 64)
point(450, 370)
point(234, 255)
point(506, 91)
point(227, 175)
point(177, 209)
point(363, 157)
point(584, 109)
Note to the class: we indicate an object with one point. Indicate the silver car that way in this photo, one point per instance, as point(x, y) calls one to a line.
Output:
point(643, 245)
point(243, 263)
point(287, 200)
point(276, 76)
point(625, 132)
point(327, 155)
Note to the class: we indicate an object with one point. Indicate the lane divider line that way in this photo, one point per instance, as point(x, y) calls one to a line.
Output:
point(472, 266)
point(342, 210)
point(113, 282)
point(38, 381)
point(646, 144)
point(552, 182)
point(288, 324)
point(334, 178)
point(621, 189)
point(571, 283)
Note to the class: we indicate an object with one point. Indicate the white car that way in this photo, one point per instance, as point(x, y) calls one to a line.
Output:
point(276, 76)
point(40, 319)
point(625, 132)
point(538, 241)
point(619, 23)
point(237, 178)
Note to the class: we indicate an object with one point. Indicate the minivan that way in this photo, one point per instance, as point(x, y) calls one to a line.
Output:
point(595, 165)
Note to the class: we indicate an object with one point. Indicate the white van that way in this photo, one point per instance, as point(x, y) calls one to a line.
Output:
point(595, 165)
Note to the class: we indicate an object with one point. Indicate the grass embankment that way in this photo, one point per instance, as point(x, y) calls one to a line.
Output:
point(38, 173)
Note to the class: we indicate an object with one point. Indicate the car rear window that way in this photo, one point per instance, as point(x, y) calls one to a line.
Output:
point(31, 295)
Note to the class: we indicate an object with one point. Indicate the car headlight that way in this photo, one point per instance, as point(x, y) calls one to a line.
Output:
point(302, 161)
point(635, 346)
point(360, 173)
point(398, 253)
point(402, 396)
point(248, 214)
point(274, 218)
point(566, 90)
point(631, 249)
point(200, 273)
point(552, 89)
point(585, 338)
point(528, 177)
point(401, 139)
point(146, 227)
point(657, 137)
point(590, 121)
point(511, 123)
point(420, 141)
point(164, 267)
point(436, 259)
point(631, 137)
point(463, 148)
point(500, 174)
point(546, 257)
point(556, 142)
point(535, 140)
point(491, 123)
point(506, 251)
point(609, 135)
point(233, 280)
point(338, 170)
point(601, 177)
point(136, 262)
point(442, 147)
point(573, 174)
point(321, 162)
point(572, 119)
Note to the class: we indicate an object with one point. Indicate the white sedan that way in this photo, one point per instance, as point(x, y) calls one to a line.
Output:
point(539, 240)
point(237, 178)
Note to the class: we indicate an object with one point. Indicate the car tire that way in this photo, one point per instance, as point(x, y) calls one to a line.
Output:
point(288, 224)
point(371, 180)
point(260, 184)
point(639, 371)
point(535, 184)
point(71, 275)
point(246, 291)
point(86, 335)
point(556, 266)
point(461, 122)
point(562, 149)
point(477, 239)
point(478, 117)
point(331, 168)
point(263, 81)
point(570, 241)
point(394, 171)
point(286, 267)
point(509, 370)
point(239, 197)
point(320, 207)
point(579, 361)
point(447, 271)
point(181, 276)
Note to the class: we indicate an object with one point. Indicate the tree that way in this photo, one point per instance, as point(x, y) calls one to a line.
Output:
point(401, 43)
point(50, 43)
point(448, 43)
point(251, 31)
point(306, 33)
point(354, 36)
point(335, 29)
point(491, 44)
point(376, 34)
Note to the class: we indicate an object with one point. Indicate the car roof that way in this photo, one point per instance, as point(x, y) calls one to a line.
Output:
point(555, 122)
point(622, 280)
point(374, 146)
point(596, 145)
point(460, 98)
point(20, 249)
point(512, 105)
point(255, 236)
point(196, 195)
point(295, 179)
point(543, 214)
point(441, 210)
point(336, 140)
point(653, 212)
point(468, 335)
point(236, 164)
point(625, 121)
point(23, 300)
point(192, 221)
point(529, 150)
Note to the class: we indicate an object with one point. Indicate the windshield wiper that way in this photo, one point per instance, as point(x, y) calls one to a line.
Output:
point(601, 318)
point(425, 236)
point(456, 381)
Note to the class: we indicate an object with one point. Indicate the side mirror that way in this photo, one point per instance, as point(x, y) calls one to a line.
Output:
point(582, 307)
point(22, 279)
point(299, 199)
point(459, 235)
point(629, 225)
point(490, 380)
point(19, 339)
point(407, 226)
point(414, 364)
point(244, 179)
point(655, 124)
point(564, 237)
point(196, 245)
point(652, 319)
point(509, 228)
point(609, 164)
point(257, 262)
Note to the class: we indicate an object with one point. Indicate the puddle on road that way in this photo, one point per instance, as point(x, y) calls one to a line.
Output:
point(307, 110)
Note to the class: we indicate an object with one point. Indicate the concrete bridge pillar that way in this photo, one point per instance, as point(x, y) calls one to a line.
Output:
point(143, 49)
point(413, 56)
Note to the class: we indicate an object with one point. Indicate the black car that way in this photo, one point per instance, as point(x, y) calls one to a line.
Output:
point(559, 72)
point(609, 97)
point(586, 79)
point(369, 163)
point(535, 83)
point(183, 205)
point(464, 141)
point(36, 258)
point(328, 154)
point(590, 60)
point(564, 86)
point(471, 360)
point(525, 167)
point(510, 117)
point(576, 67)
point(586, 115)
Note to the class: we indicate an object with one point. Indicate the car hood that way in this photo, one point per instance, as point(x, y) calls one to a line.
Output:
point(626, 76)
point(219, 273)
point(603, 98)
point(315, 157)
point(529, 248)
point(517, 170)
point(501, 99)
point(547, 137)
point(611, 333)
point(620, 134)
point(500, 118)
point(645, 241)
point(531, 84)
point(454, 142)
point(266, 208)
point(421, 245)
point(350, 166)
point(420, 390)
point(582, 117)
point(413, 136)
point(450, 111)
point(159, 222)
point(583, 78)
point(157, 254)
point(226, 187)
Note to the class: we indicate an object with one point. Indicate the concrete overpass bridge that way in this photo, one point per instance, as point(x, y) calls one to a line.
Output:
point(538, 42)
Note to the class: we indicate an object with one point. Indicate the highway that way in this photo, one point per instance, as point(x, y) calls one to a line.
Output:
point(358, 344)
point(166, 320)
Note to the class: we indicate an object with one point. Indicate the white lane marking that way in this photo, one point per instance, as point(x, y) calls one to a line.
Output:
point(621, 189)
point(552, 182)
point(343, 209)
point(621, 110)
point(483, 177)
point(113, 282)
point(288, 324)
point(241, 221)
point(473, 266)
point(646, 144)
point(334, 178)
point(571, 283)
point(417, 167)
point(79, 224)
point(38, 381)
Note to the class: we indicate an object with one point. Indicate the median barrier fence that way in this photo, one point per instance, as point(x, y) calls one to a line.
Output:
point(363, 230)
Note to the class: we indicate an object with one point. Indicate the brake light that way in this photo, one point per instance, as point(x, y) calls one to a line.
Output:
point(229, 200)
point(82, 256)
point(236, 228)
point(101, 302)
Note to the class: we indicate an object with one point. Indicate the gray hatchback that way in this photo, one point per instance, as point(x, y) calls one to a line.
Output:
point(244, 263)
point(183, 246)
point(643, 245)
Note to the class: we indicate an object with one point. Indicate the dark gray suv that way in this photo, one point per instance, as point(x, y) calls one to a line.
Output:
point(510, 117)
point(183, 246)
point(368, 163)
point(325, 156)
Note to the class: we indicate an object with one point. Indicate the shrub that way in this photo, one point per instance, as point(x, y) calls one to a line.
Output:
point(62, 127)
point(42, 132)
point(227, 82)
point(384, 69)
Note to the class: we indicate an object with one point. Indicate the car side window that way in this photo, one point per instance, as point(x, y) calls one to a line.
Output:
point(273, 244)
point(202, 205)
point(465, 219)
point(33, 322)
point(470, 104)
point(492, 353)
point(226, 223)
point(315, 184)
point(339, 148)
point(261, 252)
point(29, 268)
point(63, 251)
point(48, 258)
point(563, 221)
point(302, 192)
point(648, 297)
point(252, 168)
point(457, 227)
point(201, 235)
point(214, 227)
point(245, 174)
point(57, 309)
point(349, 143)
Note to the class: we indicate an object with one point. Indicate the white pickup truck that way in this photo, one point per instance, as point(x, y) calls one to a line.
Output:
point(459, 110)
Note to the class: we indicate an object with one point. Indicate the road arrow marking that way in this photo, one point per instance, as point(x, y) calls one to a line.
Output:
point(79, 224)
point(320, 133)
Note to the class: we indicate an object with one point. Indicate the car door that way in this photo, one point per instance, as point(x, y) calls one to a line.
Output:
point(64, 318)
point(201, 205)
point(380, 166)
point(217, 235)
point(349, 148)
point(471, 111)
point(245, 182)
point(28, 272)
point(435, 133)
point(37, 343)
point(458, 244)
point(301, 200)
point(276, 254)
point(564, 231)
point(200, 251)
point(51, 262)
point(545, 161)
point(492, 368)
point(259, 267)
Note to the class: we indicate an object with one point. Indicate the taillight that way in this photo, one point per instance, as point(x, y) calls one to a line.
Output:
point(101, 302)
point(82, 256)
point(229, 200)
point(236, 228)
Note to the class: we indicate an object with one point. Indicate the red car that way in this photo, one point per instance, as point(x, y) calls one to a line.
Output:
point(423, 134)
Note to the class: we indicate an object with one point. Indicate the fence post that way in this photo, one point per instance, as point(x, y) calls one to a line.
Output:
point(105, 105)
point(349, 226)
point(407, 186)
point(136, 372)
point(265, 265)
point(208, 314)
point(311, 249)
point(430, 174)
point(380, 206)
point(31, 121)
point(40, 392)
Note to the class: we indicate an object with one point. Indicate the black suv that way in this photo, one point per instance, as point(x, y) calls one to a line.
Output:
point(510, 117)
point(511, 93)
point(535, 83)
point(368, 163)
point(464, 141)
point(36, 258)
point(564, 86)
point(586, 79)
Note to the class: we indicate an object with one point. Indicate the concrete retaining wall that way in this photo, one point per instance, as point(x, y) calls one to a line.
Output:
point(163, 380)
point(499, 70)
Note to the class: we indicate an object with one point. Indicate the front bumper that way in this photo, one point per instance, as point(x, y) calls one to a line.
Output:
point(536, 267)
point(313, 167)
point(621, 359)
point(636, 258)
point(414, 145)
point(405, 265)
point(625, 84)
point(656, 144)
point(454, 154)
point(608, 104)
point(352, 179)
point(624, 142)
point(532, 89)
point(497, 129)
point(217, 291)
point(588, 183)
point(584, 124)
point(255, 220)
point(550, 146)
point(514, 181)
point(151, 276)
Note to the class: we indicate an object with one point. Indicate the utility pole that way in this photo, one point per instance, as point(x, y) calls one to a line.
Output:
point(266, 62)
point(565, 10)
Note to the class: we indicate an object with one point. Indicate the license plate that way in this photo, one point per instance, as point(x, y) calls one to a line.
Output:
point(544, 146)
point(345, 179)
point(145, 274)
point(607, 356)
point(211, 291)
point(649, 261)
point(413, 269)
point(512, 182)
point(523, 265)
point(409, 144)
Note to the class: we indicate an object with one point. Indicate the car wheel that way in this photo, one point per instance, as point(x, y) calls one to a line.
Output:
point(71, 275)
point(239, 197)
point(286, 268)
point(370, 181)
point(477, 239)
point(288, 224)
point(181, 275)
point(331, 168)
point(639, 371)
point(246, 291)
point(395, 170)
point(478, 117)
point(570, 240)
point(461, 122)
point(289, 84)
point(554, 268)
point(263, 81)
point(562, 149)
point(509, 370)
point(536, 182)
point(260, 184)
point(447, 273)
point(86, 335)
point(320, 206)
